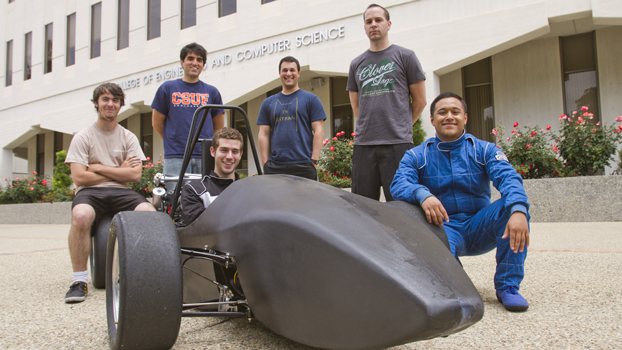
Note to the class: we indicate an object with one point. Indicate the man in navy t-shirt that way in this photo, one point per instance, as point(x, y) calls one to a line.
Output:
point(291, 127)
point(174, 105)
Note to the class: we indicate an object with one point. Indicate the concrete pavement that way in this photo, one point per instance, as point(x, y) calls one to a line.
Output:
point(572, 282)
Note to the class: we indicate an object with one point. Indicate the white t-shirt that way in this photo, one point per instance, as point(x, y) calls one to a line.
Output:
point(111, 148)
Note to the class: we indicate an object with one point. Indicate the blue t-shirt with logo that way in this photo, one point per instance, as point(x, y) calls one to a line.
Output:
point(290, 117)
point(178, 100)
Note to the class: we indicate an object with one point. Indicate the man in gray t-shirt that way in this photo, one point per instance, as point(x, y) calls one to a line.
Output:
point(381, 83)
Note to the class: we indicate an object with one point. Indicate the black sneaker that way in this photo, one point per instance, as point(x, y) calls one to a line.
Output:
point(77, 293)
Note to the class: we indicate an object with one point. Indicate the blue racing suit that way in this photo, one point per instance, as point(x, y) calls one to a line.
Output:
point(458, 173)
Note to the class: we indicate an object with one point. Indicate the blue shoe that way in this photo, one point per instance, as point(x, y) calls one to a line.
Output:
point(512, 300)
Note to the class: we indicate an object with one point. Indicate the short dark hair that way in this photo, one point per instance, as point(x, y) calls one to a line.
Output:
point(108, 88)
point(289, 59)
point(229, 134)
point(193, 48)
point(447, 95)
point(386, 13)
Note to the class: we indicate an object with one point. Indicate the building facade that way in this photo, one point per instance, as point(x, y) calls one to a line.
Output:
point(523, 60)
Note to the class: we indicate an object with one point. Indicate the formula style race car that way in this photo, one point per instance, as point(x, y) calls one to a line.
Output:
point(316, 264)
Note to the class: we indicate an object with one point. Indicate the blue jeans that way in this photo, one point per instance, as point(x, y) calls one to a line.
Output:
point(172, 166)
point(477, 234)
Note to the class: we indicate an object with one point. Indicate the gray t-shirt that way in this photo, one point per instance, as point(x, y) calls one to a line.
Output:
point(382, 79)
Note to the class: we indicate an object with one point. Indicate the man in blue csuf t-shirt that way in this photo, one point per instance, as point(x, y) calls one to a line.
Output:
point(291, 126)
point(174, 105)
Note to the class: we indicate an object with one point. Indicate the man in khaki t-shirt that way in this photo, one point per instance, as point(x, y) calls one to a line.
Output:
point(103, 158)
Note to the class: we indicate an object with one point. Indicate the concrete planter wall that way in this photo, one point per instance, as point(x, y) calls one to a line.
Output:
point(574, 199)
point(571, 199)
point(36, 213)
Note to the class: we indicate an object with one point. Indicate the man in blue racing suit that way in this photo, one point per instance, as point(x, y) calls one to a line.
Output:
point(449, 176)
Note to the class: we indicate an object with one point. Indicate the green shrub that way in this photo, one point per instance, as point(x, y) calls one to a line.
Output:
point(336, 156)
point(145, 185)
point(529, 151)
point(586, 147)
point(418, 133)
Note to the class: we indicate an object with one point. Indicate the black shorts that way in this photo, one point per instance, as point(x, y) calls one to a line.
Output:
point(108, 201)
point(306, 170)
point(375, 166)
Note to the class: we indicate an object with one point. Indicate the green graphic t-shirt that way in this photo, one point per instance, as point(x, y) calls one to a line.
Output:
point(382, 79)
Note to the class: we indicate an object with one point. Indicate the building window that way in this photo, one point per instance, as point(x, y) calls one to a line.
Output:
point(341, 109)
point(47, 66)
point(266, 1)
point(123, 27)
point(188, 13)
point(58, 143)
point(580, 74)
point(153, 19)
point(240, 125)
point(9, 63)
point(71, 40)
point(40, 154)
point(146, 134)
point(477, 80)
point(28, 56)
point(226, 7)
point(96, 30)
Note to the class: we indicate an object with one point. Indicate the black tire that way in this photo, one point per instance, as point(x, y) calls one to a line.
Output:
point(99, 248)
point(143, 281)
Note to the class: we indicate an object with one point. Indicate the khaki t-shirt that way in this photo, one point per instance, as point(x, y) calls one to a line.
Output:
point(96, 146)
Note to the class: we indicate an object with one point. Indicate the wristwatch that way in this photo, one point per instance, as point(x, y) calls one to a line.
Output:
point(314, 161)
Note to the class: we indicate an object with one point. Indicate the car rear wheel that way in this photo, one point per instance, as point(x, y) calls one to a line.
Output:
point(143, 281)
point(99, 246)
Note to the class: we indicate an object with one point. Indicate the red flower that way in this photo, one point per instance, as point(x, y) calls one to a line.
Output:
point(533, 133)
point(574, 112)
point(556, 173)
point(598, 124)
point(44, 182)
point(513, 131)
point(594, 130)
point(563, 116)
point(160, 156)
point(555, 148)
point(515, 124)
point(34, 173)
point(584, 108)
point(528, 146)
point(334, 139)
point(5, 179)
point(495, 132)
point(332, 149)
point(333, 158)
point(353, 134)
point(618, 119)
point(530, 166)
point(350, 143)
point(148, 159)
point(619, 127)
point(32, 188)
point(336, 174)
point(508, 139)
point(159, 162)
point(548, 127)
point(522, 172)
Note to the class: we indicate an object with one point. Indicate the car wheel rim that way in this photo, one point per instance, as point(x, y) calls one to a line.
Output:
point(115, 283)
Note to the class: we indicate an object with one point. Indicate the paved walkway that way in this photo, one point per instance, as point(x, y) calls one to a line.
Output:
point(573, 284)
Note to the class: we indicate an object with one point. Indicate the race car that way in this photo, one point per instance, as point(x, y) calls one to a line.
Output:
point(316, 264)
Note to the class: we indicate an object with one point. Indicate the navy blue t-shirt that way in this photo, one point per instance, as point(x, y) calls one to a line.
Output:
point(178, 100)
point(290, 117)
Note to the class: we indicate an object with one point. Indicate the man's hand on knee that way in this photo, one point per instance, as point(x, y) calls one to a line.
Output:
point(518, 231)
point(434, 211)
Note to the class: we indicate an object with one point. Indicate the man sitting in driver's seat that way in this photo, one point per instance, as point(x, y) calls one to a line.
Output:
point(197, 195)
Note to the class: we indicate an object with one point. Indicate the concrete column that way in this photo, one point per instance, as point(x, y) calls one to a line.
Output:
point(432, 89)
point(253, 111)
point(49, 156)
point(6, 165)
